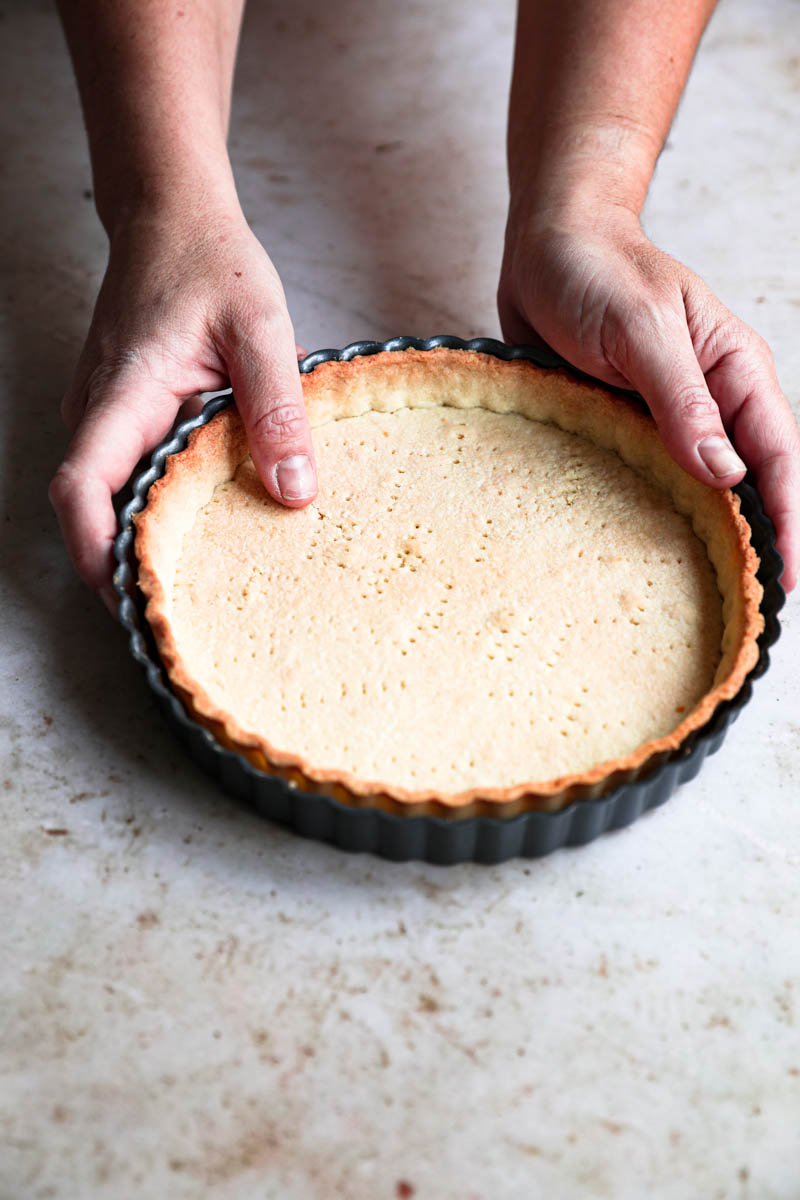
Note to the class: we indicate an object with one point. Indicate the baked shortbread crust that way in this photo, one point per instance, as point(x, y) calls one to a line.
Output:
point(506, 595)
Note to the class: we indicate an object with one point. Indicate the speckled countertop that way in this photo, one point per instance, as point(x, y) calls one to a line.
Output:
point(196, 1003)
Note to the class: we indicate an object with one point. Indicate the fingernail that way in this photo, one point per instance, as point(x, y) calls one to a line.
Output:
point(296, 478)
point(720, 457)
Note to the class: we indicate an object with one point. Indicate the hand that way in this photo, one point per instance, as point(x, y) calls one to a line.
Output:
point(190, 302)
point(601, 295)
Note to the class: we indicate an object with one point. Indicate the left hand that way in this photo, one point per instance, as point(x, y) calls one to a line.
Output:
point(605, 298)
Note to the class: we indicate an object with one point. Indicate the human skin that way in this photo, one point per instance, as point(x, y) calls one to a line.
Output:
point(594, 91)
point(190, 301)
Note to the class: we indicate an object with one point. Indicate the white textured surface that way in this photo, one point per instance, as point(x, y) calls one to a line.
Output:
point(196, 1003)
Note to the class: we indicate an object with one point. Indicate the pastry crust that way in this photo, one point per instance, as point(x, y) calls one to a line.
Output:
point(392, 382)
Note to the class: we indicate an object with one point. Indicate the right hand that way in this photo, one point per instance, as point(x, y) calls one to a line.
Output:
point(190, 302)
point(595, 289)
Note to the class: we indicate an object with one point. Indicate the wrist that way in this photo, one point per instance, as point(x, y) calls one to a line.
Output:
point(175, 191)
point(539, 229)
point(572, 173)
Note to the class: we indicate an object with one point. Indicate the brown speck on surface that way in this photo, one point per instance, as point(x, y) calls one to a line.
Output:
point(60, 1114)
point(238, 274)
point(717, 1021)
point(428, 1003)
point(48, 720)
point(794, 1071)
point(403, 1189)
point(388, 147)
point(55, 832)
point(528, 1148)
point(148, 919)
point(79, 797)
point(7, 785)
point(744, 1174)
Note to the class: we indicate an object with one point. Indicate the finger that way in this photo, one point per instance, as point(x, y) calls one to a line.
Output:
point(107, 445)
point(516, 328)
point(88, 525)
point(661, 364)
point(266, 383)
point(746, 387)
point(778, 480)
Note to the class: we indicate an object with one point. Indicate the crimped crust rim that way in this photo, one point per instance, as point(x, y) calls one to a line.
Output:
point(550, 794)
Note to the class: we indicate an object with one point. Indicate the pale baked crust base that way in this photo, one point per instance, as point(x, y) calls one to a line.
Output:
point(387, 382)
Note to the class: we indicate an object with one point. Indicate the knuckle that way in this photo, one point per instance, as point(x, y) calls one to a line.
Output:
point(692, 405)
point(759, 346)
point(717, 333)
point(258, 321)
point(283, 422)
point(742, 337)
point(736, 333)
point(727, 335)
point(123, 371)
point(104, 376)
point(61, 487)
point(649, 311)
point(649, 314)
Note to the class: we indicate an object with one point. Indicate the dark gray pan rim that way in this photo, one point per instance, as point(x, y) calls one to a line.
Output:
point(432, 839)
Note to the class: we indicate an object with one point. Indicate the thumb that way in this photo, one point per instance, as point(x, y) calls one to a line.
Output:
point(262, 366)
point(665, 371)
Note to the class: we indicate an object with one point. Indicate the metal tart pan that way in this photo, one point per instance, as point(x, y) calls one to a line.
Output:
point(432, 839)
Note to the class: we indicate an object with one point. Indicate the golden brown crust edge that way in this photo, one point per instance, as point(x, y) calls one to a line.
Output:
point(397, 379)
